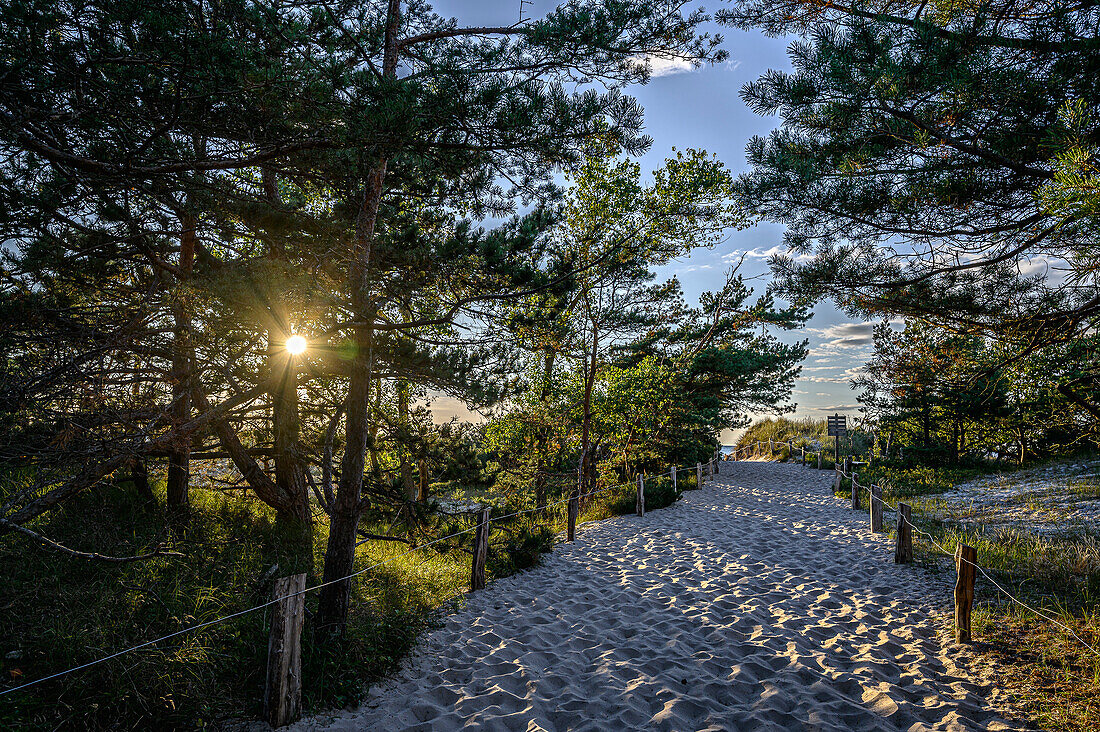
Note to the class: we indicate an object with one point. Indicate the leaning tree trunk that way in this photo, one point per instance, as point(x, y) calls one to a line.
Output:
point(332, 612)
point(183, 359)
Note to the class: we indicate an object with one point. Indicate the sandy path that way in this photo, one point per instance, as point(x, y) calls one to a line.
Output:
point(757, 603)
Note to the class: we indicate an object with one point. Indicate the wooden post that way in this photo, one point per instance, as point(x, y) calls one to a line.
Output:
point(819, 454)
point(875, 497)
point(698, 475)
point(771, 447)
point(283, 690)
point(673, 474)
point(966, 560)
point(904, 552)
point(837, 479)
point(639, 504)
point(855, 492)
point(573, 509)
point(481, 551)
point(847, 463)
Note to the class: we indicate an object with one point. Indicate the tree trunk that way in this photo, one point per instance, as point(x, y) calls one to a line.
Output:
point(587, 459)
point(183, 356)
point(139, 475)
point(406, 471)
point(422, 470)
point(332, 611)
point(542, 465)
point(290, 470)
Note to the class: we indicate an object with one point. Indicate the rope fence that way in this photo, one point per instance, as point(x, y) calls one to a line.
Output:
point(965, 557)
point(283, 691)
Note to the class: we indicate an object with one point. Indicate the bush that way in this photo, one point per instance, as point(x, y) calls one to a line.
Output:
point(521, 550)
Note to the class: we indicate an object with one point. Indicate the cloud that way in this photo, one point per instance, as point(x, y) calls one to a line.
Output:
point(846, 335)
point(694, 268)
point(664, 65)
point(762, 254)
point(842, 378)
point(838, 408)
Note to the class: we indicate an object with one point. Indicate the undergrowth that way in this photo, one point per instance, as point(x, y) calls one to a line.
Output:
point(1051, 677)
point(57, 611)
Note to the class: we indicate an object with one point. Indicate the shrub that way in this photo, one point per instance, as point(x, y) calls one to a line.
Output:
point(521, 550)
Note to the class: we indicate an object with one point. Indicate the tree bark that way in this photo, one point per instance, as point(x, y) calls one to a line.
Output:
point(587, 459)
point(183, 356)
point(290, 470)
point(332, 611)
point(542, 465)
point(139, 475)
point(406, 471)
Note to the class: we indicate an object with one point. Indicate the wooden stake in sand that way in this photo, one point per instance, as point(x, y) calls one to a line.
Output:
point(639, 505)
point(573, 507)
point(481, 551)
point(875, 494)
point(904, 552)
point(283, 690)
point(698, 475)
point(819, 459)
point(966, 560)
point(855, 491)
point(673, 474)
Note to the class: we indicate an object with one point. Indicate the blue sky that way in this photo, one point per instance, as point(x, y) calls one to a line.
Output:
point(702, 108)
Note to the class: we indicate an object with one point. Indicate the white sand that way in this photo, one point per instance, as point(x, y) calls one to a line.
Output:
point(758, 603)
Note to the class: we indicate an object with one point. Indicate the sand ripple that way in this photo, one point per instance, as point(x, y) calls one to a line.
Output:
point(758, 603)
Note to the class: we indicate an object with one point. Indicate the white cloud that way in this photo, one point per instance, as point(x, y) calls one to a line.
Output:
point(842, 378)
point(846, 335)
point(664, 65)
point(762, 254)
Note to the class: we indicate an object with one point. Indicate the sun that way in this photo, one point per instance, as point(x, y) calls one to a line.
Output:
point(296, 345)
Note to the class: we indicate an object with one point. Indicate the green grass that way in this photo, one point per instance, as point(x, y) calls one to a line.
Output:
point(1052, 678)
point(57, 611)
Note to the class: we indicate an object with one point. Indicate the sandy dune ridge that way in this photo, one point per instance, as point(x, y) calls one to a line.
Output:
point(758, 603)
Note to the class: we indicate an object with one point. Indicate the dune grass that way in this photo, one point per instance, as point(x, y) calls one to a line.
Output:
point(58, 612)
point(1050, 676)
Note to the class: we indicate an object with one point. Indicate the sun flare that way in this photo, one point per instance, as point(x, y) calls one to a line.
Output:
point(296, 345)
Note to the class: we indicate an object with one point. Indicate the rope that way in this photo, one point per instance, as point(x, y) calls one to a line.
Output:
point(978, 567)
point(269, 603)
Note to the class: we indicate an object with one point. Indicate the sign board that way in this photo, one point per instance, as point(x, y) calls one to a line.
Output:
point(838, 425)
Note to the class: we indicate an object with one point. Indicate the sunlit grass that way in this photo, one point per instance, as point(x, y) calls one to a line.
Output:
point(1051, 677)
point(57, 611)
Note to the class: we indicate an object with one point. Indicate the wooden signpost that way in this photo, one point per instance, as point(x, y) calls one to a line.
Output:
point(573, 507)
point(837, 428)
